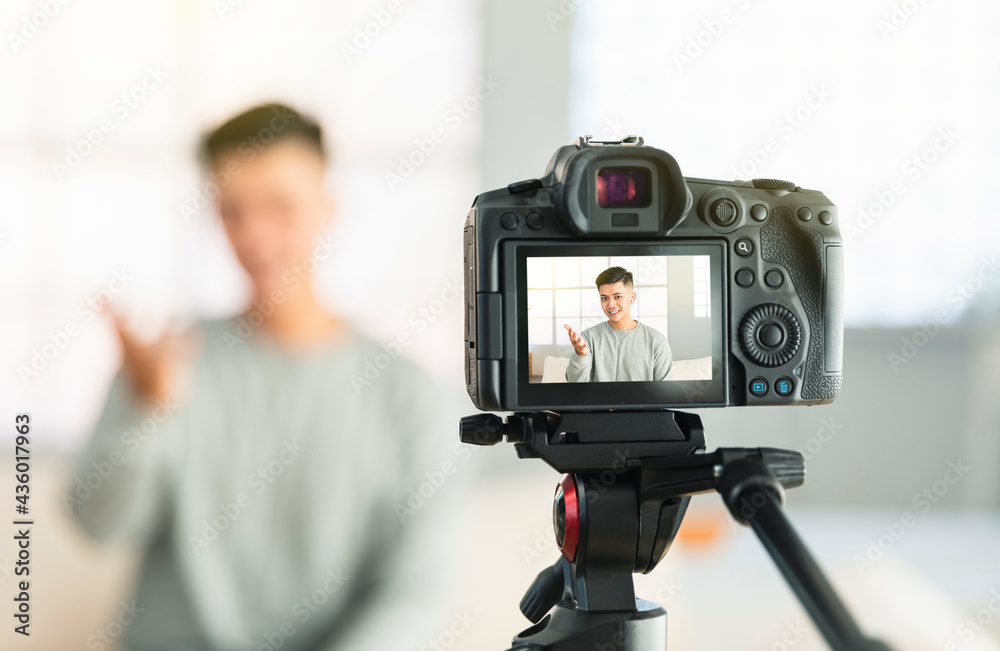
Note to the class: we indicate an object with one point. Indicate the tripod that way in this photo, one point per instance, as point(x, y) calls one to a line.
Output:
point(629, 479)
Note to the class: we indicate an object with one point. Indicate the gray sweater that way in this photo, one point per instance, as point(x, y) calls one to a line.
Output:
point(641, 354)
point(301, 498)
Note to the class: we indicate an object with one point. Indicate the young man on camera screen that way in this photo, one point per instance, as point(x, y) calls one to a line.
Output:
point(620, 349)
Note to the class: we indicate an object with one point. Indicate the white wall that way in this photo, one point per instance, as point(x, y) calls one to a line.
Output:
point(135, 205)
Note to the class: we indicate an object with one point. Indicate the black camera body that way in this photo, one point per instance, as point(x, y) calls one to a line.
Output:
point(743, 278)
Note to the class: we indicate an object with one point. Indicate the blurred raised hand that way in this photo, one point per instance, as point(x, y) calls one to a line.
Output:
point(158, 368)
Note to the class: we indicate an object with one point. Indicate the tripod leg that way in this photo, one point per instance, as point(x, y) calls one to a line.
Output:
point(753, 497)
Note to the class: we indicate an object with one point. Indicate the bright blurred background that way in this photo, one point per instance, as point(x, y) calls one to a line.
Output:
point(889, 107)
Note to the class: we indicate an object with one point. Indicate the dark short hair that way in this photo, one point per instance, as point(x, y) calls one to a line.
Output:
point(615, 275)
point(260, 127)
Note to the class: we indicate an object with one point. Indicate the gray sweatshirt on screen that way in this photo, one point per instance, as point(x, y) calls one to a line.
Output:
point(641, 354)
point(296, 500)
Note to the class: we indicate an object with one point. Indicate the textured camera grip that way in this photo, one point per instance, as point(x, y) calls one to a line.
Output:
point(800, 250)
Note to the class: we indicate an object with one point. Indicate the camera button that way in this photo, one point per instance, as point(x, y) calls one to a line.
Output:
point(826, 218)
point(770, 335)
point(744, 247)
point(759, 212)
point(524, 186)
point(724, 212)
point(805, 214)
point(534, 221)
point(784, 386)
point(774, 279)
point(744, 277)
point(758, 386)
point(508, 220)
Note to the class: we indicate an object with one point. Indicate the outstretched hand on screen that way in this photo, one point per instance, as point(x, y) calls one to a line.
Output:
point(575, 338)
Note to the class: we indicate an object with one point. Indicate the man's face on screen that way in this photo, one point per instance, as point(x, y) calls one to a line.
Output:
point(616, 301)
point(273, 208)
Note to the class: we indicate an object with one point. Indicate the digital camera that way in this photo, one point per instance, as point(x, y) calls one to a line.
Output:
point(615, 283)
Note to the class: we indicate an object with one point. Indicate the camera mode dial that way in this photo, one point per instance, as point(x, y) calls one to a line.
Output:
point(770, 335)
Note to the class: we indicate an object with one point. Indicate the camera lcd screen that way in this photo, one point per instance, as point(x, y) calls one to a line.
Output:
point(618, 324)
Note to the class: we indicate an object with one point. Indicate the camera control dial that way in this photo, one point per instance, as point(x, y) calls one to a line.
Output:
point(770, 335)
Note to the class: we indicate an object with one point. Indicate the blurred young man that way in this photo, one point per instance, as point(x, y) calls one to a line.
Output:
point(273, 500)
point(620, 349)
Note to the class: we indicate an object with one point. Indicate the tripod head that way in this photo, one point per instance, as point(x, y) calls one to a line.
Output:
point(628, 480)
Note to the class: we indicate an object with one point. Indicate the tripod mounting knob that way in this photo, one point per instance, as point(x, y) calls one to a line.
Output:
point(788, 467)
point(482, 429)
point(747, 482)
